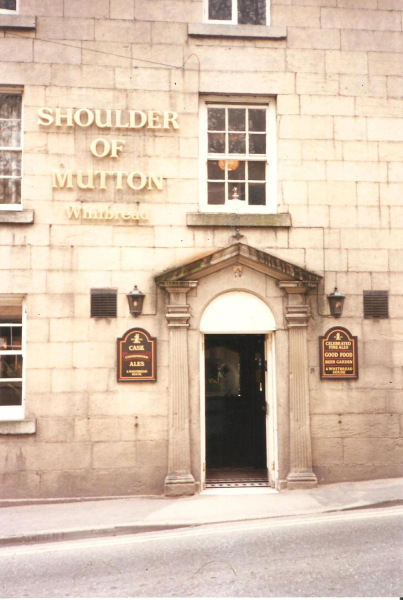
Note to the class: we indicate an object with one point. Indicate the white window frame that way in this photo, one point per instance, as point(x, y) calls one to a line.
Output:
point(234, 20)
point(17, 91)
point(5, 11)
point(240, 206)
point(16, 413)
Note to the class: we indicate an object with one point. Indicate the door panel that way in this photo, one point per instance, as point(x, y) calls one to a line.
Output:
point(235, 401)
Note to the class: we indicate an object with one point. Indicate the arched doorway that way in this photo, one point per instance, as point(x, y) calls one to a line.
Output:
point(237, 391)
point(292, 467)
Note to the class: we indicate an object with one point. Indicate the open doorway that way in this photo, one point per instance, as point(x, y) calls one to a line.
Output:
point(235, 410)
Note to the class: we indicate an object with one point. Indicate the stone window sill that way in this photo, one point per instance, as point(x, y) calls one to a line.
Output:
point(17, 22)
point(22, 427)
point(232, 220)
point(237, 31)
point(16, 217)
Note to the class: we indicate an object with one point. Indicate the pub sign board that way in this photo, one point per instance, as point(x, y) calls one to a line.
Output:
point(338, 355)
point(137, 356)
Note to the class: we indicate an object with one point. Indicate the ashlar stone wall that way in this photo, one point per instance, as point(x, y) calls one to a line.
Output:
point(338, 82)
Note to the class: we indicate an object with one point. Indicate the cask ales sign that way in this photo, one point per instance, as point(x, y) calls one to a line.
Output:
point(137, 356)
point(338, 354)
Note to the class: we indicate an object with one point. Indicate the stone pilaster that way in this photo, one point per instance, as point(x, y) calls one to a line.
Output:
point(297, 316)
point(179, 481)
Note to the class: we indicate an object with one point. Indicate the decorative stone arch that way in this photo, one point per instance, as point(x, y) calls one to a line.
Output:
point(296, 283)
point(250, 314)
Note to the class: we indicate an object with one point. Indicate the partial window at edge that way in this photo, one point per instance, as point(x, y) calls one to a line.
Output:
point(10, 150)
point(241, 12)
point(10, 5)
point(11, 360)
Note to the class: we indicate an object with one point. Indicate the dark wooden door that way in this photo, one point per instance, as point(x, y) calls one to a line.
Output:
point(235, 401)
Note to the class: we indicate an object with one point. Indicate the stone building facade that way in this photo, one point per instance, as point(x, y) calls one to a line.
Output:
point(236, 161)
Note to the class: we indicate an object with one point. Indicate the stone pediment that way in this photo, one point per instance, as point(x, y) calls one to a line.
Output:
point(240, 254)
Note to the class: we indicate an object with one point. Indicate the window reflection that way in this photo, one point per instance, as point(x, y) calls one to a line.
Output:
point(220, 10)
point(11, 359)
point(237, 134)
point(8, 4)
point(252, 12)
point(216, 119)
point(222, 372)
point(236, 119)
point(10, 147)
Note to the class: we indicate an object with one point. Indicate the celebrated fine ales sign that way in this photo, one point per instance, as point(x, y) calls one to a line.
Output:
point(137, 356)
point(338, 354)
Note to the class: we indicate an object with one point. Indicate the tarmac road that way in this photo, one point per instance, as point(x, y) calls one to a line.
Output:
point(357, 553)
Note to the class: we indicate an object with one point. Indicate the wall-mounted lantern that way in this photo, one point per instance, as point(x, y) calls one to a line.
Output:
point(336, 301)
point(135, 299)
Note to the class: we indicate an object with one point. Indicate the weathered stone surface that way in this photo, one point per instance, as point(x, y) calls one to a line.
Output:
point(20, 484)
point(326, 451)
point(17, 22)
point(16, 217)
point(223, 220)
point(336, 74)
point(242, 31)
point(348, 472)
point(345, 18)
point(385, 451)
point(55, 430)
point(355, 425)
point(114, 455)
point(300, 37)
point(23, 427)
point(300, 16)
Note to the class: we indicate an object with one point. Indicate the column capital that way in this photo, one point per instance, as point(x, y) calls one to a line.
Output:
point(178, 314)
point(297, 311)
point(297, 315)
point(178, 286)
point(297, 287)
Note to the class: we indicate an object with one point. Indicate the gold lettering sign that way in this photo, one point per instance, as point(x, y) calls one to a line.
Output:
point(100, 147)
point(338, 354)
point(113, 119)
point(91, 180)
point(105, 214)
point(137, 356)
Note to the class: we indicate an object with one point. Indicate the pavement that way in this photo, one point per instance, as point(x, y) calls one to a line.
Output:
point(42, 521)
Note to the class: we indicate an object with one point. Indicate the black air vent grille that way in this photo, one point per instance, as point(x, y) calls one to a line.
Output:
point(103, 303)
point(376, 305)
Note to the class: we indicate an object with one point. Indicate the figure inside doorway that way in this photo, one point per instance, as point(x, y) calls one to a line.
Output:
point(222, 372)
